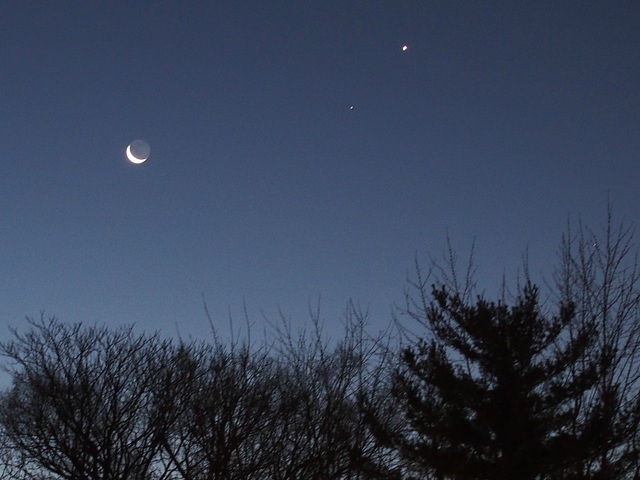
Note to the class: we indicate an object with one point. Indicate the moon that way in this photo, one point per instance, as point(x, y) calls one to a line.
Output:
point(138, 151)
point(132, 158)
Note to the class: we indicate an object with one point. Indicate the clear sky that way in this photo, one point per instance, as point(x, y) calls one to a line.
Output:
point(499, 120)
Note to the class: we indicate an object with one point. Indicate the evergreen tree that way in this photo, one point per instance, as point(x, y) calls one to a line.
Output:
point(490, 393)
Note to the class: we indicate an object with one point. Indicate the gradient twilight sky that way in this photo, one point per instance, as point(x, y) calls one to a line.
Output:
point(499, 120)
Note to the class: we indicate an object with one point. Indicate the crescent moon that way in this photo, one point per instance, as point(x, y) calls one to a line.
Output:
point(132, 158)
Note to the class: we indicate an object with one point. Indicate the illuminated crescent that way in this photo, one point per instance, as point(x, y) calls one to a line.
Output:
point(132, 158)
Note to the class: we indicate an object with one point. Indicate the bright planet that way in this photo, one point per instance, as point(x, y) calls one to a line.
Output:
point(138, 151)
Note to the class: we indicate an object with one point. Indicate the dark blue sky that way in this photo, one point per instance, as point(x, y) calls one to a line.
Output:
point(499, 121)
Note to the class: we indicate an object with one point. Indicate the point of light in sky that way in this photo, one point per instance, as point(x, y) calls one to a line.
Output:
point(405, 48)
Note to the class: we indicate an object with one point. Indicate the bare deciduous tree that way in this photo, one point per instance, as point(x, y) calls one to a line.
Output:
point(325, 391)
point(82, 405)
point(600, 274)
point(224, 397)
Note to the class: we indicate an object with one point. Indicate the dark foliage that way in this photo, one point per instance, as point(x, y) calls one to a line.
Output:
point(490, 394)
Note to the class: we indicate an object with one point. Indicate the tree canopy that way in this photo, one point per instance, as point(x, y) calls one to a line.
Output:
point(490, 394)
point(468, 388)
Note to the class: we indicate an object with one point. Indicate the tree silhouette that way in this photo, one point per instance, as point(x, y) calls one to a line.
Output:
point(225, 401)
point(599, 273)
point(323, 385)
point(82, 403)
point(488, 394)
point(513, 388)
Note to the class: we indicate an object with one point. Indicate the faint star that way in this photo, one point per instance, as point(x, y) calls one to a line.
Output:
point(405, 48)
point(351, 107)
